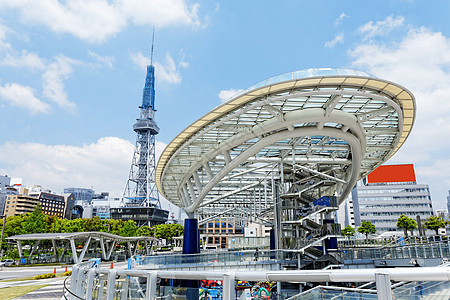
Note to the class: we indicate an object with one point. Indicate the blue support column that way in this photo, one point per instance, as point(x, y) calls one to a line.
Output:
point(330, 243)
point(191, 245)
point(272, 239)
point(191, 239)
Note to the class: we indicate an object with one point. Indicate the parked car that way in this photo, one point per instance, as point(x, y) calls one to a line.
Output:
point(7, 262)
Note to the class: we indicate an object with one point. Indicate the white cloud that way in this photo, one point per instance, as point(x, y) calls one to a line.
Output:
point(103, 60)
point(25, 59)
point(23, 96)
point(160, 13)
point(338, 39)
point(97, 20)
point(169, 72)
point(103, 165)
point(3, 30)
point(53, 81)
point(380, 28)
point(421, 63)
point(340, 18)
point(226, 95)
point(140, 60)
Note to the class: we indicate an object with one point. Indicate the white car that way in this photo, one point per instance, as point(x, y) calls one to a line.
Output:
point(6, 262)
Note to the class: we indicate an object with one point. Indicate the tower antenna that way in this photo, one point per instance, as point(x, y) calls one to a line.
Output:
point(153, 41)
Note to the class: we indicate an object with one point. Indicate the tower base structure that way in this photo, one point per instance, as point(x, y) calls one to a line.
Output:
point(143, 216)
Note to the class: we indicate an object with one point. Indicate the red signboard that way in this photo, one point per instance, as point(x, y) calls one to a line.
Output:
point(392, 173)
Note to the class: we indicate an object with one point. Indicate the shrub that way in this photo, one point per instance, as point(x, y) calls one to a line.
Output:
point(68, 273)
point(44, 276)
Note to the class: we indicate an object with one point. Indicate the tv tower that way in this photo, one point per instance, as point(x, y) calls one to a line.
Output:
point(140, 189)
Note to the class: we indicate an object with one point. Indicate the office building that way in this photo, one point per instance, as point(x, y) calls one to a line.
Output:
point(19, 204)
point(4, 181)
point(69, 201)
point(389, 192)
point(52, 205)
point(448, 202)
point(81, 194)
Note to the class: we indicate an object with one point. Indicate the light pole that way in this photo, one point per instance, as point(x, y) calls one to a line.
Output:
point(3, 231)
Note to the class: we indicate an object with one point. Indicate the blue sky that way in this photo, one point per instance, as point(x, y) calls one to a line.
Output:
point(72, 73)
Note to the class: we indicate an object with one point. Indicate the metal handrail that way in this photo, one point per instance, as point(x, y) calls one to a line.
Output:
point(70, 292)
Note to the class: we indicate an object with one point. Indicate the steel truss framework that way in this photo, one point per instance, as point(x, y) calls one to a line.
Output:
point(106, 241)
point(310, 133)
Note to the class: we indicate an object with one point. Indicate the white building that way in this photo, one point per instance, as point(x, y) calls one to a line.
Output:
point(389, 192)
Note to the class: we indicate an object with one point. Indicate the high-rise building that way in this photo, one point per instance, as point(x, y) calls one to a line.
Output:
point(448, 203)
point(389, 192)
point(4, 181)
point(80, 194)
point(52, 204)
point(69, 201)
point(19, 204)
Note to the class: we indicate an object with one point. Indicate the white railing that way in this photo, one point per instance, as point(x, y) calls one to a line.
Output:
point(94, 283)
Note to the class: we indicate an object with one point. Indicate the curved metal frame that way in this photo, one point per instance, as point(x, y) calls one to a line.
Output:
point(353, 119)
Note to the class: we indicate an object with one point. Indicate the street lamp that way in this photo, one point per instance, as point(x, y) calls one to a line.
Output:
point(3, 231)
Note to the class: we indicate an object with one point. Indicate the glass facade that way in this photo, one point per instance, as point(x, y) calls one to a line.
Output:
point(383, 204)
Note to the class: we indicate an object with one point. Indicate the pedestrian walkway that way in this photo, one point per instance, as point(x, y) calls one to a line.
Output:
point(54, 290)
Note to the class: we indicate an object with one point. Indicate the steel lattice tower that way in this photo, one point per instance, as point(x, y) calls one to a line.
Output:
point(141, 189)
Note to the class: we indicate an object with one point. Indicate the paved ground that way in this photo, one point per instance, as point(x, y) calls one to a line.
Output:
point(53, 291)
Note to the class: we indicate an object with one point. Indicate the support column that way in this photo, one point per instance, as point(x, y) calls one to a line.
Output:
point(383, 282)
point(74, 251)
point(229, 286)
point(19, 248)
point(152, 279)
point(191, 238)
point(111, 287)
point(55, 250)
point(102, 247)
point(90, 284)
point(191, 245)
point(85, 248)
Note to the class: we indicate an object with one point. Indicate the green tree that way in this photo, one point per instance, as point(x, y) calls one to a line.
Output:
point(129, 229)
point(36, 221)
point(168, 231)
point(367, 228)
point(57, 225)
point(51, 226)
point(14, 224)
point(145, 231)
point(406, 223)
point(93, 224)
point(434, 223)
point(76, 225)
point(115, 225)
point(348, 231)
